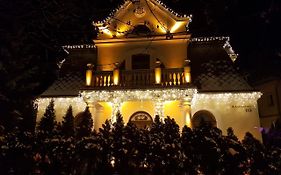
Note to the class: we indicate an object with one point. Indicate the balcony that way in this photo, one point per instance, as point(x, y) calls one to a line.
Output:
point(138, 79)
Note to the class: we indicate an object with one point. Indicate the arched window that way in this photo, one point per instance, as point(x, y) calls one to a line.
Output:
point(203, 118)
point(141, 119)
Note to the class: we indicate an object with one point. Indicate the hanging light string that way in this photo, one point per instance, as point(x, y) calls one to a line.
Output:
point(151, 11)
point(123, 22)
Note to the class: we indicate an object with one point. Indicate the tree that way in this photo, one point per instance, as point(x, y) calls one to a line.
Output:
point(68, 123)
point(47, 122)
point(156, 149)
point(256, 151)
point(85, 124)
point(106, 140)
point(230, 134)
point(172, 157)
point(187, 146)
point(118, 150)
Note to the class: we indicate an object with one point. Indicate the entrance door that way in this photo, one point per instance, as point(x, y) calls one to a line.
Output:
point(141, 119)
point(141, 61)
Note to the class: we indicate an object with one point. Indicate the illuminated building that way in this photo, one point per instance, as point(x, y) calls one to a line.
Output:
point(143, 63)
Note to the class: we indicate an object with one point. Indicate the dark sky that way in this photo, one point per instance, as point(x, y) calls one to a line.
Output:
point(253, 26)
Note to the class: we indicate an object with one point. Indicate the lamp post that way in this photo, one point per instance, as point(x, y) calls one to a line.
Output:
point(187, 74)
point(89, 74)
point(116, 74)
point(157, 71)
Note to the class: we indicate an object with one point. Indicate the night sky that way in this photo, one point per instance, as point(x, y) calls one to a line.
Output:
point(33, 31)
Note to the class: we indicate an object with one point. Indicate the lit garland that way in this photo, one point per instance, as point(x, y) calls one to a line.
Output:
point(59, 100)
point(129, 95)
point(159, 109)
point(204, 39)
point(116, 98)
point(61, 105)
point(226, 45)
point(227, 98)
point(159, 96)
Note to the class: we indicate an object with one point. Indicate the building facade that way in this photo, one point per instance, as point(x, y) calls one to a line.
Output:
point(270, 102)
point(143, 63)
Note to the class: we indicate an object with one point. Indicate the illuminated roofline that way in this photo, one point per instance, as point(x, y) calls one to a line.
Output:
point(160, 4)
point(212, 38)
point(131, 95)
point(227, 47)
point(227, 97)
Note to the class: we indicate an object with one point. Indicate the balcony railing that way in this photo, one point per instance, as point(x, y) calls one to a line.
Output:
point(138, 79)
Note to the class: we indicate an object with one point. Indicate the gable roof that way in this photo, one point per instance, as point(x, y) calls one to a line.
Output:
point(68, 84)
point(151, 13)
point(212, 66)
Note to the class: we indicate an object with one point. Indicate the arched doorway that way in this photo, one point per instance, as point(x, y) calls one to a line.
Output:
point(203, 118)
point(141, 119)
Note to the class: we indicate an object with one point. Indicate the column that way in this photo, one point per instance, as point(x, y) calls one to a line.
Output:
point(99, 117)
point(92, 110)
point(97, 112)
point(159, 109)
point(186, 110)
point(116, 106)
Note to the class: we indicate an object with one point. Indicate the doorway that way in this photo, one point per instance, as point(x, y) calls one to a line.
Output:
point(141, 119)
point(203, 118)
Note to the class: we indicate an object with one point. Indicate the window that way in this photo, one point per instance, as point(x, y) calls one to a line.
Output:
point(141, 119)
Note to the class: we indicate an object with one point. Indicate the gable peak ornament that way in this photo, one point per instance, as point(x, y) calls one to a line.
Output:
point(139, 11)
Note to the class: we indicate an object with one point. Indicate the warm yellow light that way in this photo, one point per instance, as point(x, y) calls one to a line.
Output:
point(162, 29)
point(187, 120)
point(176, 26)
point(89, 75)
point(122, 29)
point(106, 31)
point(157, 75)
point(116, 76)
point(187, 75)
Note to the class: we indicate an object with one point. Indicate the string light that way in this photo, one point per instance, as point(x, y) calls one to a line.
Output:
point(204, 39)
point(227, 47)
point(226, 98)
point(117, 97)
point(103, 25)
point(129, 95)
point(233, 56)
point(61, 105)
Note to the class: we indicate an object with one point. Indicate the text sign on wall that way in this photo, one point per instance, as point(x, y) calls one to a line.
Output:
point(248, 108)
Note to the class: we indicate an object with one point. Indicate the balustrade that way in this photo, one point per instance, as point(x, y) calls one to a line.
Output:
point(138, 78)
